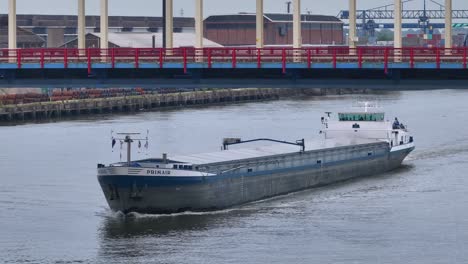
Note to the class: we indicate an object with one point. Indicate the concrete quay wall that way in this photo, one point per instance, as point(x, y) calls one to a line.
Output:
point(62, 109)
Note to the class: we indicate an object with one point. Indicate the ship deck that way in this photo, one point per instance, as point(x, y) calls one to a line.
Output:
point(236, 153)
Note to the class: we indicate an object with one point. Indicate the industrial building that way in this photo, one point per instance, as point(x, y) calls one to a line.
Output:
point(25, 38)
point(226, 30)
point(240, 29)
point(139, 40)
point(236, 30)
point(59, 29)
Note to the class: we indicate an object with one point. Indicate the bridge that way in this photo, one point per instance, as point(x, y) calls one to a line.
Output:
point(293, 66)
point(234, 67)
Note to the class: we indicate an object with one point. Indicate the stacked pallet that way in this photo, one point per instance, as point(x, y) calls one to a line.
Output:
point(78, 94)
point(92, 93)
point(26, 98)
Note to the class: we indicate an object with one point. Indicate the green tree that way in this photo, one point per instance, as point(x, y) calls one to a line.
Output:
point(385, 35)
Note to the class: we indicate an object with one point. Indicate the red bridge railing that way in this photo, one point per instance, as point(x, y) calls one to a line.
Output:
point(236, 56)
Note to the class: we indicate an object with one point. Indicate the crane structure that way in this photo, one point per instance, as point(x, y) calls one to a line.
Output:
point(406, 14)
point(386, 12)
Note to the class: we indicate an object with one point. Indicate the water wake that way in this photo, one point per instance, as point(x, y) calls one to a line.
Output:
point(440, 151)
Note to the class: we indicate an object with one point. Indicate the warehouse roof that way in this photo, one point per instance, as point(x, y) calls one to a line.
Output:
point(23, 37)
point(304, 18)
point(34, 20)
point(145, 40)
point(250, 17)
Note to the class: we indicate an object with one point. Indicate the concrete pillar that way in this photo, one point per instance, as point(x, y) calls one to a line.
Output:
point(104, 43)
point(297, 36)
point(199, 24)
point(12, 31)
point(397, 39)
point(104, 35)
point(12, 24)
point(297, 33)
point(448, 25)
point(199, 30)
point(81, 24)
point(260, 25)
point(169, 24)
point(352, 26)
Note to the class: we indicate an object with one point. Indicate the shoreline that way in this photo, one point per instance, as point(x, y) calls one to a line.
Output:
point(42, 112)
point(68, 109)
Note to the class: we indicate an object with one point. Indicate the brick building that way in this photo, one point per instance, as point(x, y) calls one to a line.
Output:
point(239, 29)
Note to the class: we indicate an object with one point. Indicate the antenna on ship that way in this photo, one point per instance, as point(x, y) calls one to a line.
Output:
point(128, 138)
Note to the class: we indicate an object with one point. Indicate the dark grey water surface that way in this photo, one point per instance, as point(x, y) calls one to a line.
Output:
point(52, 209)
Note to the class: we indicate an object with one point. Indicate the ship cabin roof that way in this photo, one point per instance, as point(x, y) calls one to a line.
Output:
point(362, 116)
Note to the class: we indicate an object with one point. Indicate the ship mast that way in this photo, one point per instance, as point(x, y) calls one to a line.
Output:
point(129, 140)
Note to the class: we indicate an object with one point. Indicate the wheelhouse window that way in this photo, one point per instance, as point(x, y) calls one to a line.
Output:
point(361, 116)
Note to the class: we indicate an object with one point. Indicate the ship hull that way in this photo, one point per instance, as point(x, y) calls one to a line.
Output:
point(169, 194)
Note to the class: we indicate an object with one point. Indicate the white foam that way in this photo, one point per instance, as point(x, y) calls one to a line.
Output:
point(110, 214)
point(136, 215)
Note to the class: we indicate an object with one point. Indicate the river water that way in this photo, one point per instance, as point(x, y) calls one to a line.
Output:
point(53, 211)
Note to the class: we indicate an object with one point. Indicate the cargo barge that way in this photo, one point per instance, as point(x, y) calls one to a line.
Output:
point(354, 144)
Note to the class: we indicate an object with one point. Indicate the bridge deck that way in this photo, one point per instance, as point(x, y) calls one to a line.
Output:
point(232, 58)
point(308, 67)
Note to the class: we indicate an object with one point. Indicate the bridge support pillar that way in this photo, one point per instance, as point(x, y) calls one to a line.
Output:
point(297, 34)
point(104, 43)
point(81, 24)
point(448, 26)
point(199, 30)
point(169, 24)
point(397, 39)
point(260, 25)
point(12, 30)
point(352, 27)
